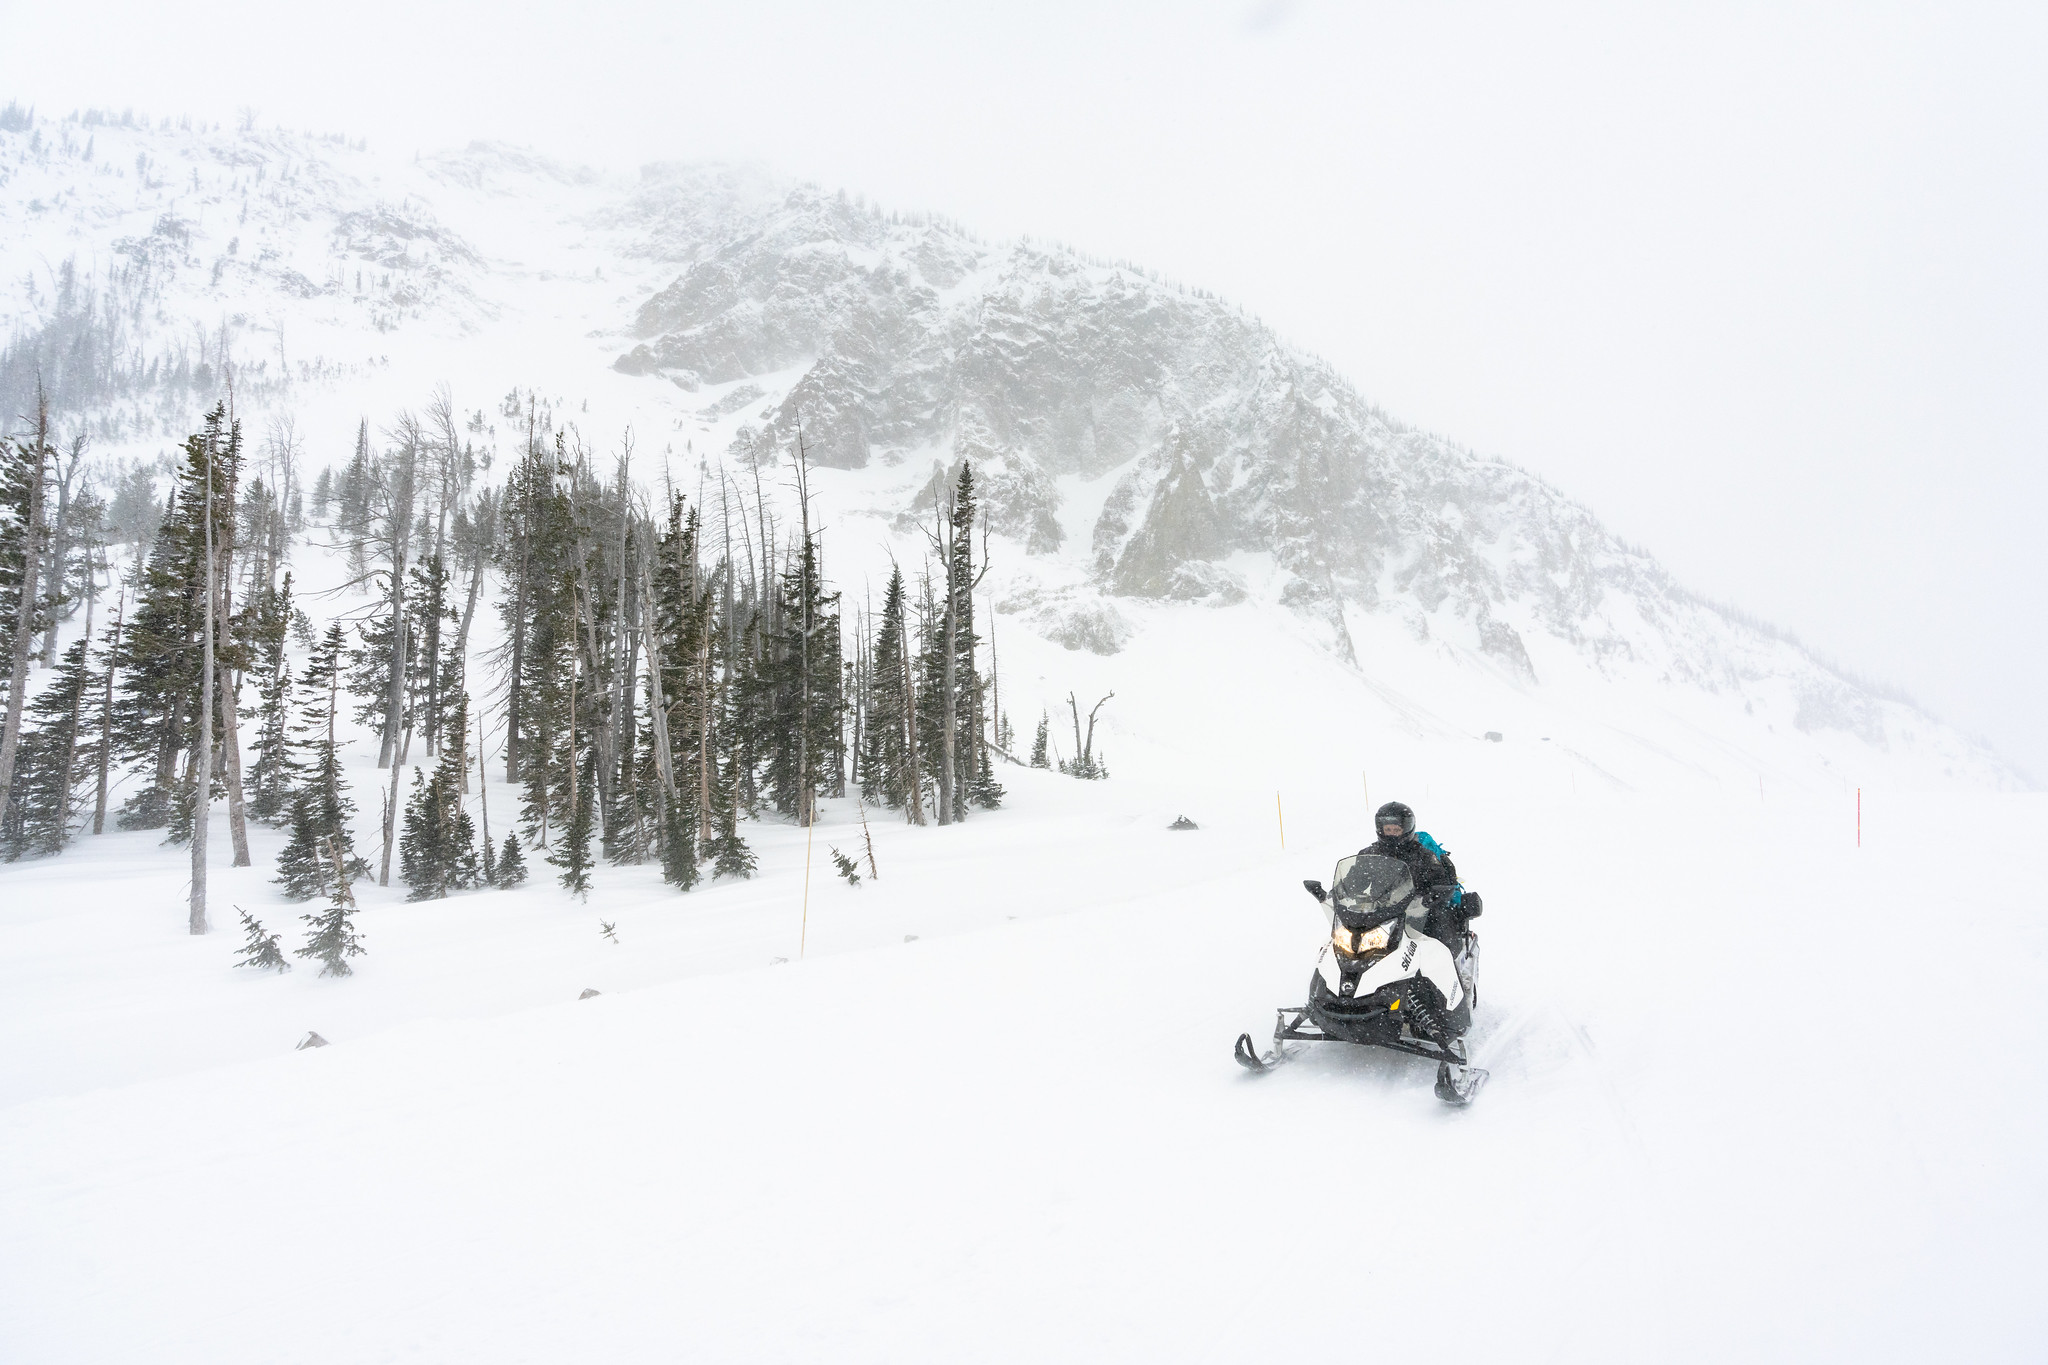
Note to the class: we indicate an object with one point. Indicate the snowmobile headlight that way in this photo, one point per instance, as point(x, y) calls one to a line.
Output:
point(1360, 942)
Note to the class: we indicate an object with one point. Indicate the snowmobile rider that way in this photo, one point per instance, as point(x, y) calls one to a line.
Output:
point(1450, 908)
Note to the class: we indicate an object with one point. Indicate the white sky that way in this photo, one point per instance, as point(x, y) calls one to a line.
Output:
point(1763, 285)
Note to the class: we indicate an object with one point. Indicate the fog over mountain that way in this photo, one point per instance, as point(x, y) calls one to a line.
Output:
point(1141, 442)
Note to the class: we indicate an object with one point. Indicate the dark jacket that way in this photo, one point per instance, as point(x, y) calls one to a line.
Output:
point(1429, 867)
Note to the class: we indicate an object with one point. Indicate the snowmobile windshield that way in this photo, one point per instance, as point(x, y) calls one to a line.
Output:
point(1369, 889)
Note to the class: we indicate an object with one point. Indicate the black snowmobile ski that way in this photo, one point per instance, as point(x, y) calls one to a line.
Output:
point(1247, 1055)
point(1457, 1082)
point(1256, 1061)
point(1457, 1085)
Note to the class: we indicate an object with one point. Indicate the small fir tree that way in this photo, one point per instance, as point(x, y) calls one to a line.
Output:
point(302, 865)
point(269, 625)
point(887, 776)
point(511, 863)
point(985, 791)
point(333, 939)
point(56, 753)
point(437, 852)
point(679, 847)
point(320, 804)
point(730, 855)
point(847, 868)
point(1039, 757)
point(573, 857)
point(260, 950)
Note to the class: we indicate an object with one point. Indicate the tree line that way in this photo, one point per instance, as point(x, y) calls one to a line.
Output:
point(669, 668)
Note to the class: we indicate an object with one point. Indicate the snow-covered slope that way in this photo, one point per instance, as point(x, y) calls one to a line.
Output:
point(1157, 464)
point(1729, 1118)
point(1758, 1092)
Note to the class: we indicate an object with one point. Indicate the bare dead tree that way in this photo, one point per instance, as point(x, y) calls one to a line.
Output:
point(1084, 750)
point(99, 807)
point(397, 494)
point(65, 470)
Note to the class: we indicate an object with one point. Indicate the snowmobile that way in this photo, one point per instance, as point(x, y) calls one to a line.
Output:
point(1381, 981)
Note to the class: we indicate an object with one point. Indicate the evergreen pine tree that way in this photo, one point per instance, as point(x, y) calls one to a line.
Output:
point(320, 805)
point(260, 950)
point(156, 720)
point(847, 867)
point(302, 864)
point(803, 678)
point(1039, 757)
point(929, 675)
point(437, 852)
point(511, 863)
point(984, 790)
point(367, 676)
point(730, 855)
point(432, 669)
point(685, 654)
point(56, 752)
point(20, 460)
point(679, 846)
point(573, 856)
point(352, 493)
point(538, 612)
point(973, 772)
point(333, 939)
point(269, 623)
point(885, 766)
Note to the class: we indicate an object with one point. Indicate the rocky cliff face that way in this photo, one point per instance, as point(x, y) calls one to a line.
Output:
point(1049, 371)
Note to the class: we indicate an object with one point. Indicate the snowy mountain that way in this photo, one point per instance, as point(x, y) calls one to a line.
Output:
point(1146, 450)
point(980, 1106)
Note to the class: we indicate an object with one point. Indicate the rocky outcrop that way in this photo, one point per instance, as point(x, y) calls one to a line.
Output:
point(1043, 368)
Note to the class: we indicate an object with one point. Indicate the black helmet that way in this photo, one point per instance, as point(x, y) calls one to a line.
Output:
point(1393, 813)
